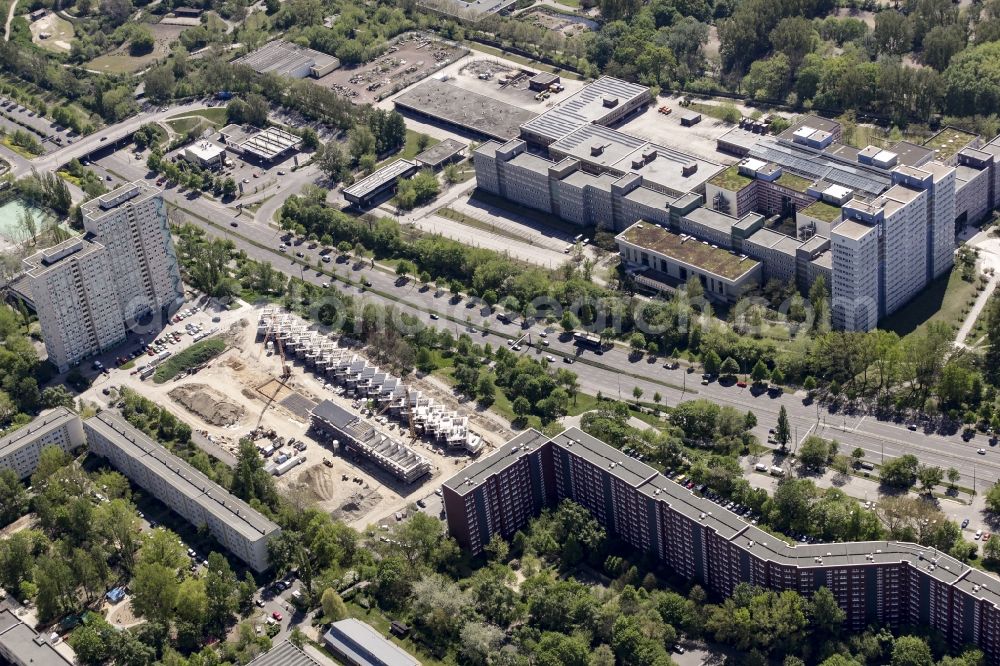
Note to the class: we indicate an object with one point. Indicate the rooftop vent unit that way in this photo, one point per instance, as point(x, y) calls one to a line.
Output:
point(689, 169)
point(597, 149)
point(609, 101)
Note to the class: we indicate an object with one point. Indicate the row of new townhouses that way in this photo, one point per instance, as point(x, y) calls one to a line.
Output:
point(883, 583)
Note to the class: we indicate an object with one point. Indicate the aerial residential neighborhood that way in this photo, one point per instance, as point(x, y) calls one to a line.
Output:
point(554, 332)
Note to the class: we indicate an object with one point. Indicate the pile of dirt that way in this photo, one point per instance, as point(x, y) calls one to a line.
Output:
point(318, 482)
point(207, 403)
point(357, 504)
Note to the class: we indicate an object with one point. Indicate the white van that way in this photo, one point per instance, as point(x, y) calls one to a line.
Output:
point(777, 471)
point(760, 467)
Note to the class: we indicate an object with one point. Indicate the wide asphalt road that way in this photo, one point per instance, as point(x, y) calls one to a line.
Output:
point(614, 373)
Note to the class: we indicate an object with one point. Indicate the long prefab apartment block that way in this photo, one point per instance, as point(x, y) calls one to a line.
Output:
point(20, 450)
point(238, 527)
point(883, 582)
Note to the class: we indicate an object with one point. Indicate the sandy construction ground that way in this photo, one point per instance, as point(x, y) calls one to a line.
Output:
point(245, 379)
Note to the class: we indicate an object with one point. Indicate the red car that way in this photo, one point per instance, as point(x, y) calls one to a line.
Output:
point(276, 615)
point(986, 536)
point(741, 384)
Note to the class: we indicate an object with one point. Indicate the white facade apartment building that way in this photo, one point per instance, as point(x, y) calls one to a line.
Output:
point(904, 246)
point(131, 222)
point(855, 271)
point(238, 527)
point(73, 287)
point(20, 450)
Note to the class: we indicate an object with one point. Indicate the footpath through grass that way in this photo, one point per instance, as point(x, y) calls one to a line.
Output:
point(195, 355)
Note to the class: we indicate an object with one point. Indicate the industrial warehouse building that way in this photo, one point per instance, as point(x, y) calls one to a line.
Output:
point(267, 145)
point(364, 191)
point(285, 654)
point(286, 59)
point(358, 644)
point(478, 115)
point(875, 583)
point(239, 528)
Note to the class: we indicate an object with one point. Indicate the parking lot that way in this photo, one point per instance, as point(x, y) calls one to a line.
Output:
point(14, 116)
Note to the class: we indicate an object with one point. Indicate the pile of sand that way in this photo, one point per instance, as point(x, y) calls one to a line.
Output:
point(357, 504)
point(207, 403)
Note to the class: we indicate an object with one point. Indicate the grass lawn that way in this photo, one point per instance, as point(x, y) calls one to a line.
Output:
point(23, 152)
point(575, 4)
point(185, 125)
point(942, 300)
point(184, 122)
point(196, 354)
point(483, 48)
point(718, 111)
point(380, 623)
point(410, 148)
point(120, 62)
point(462, 218)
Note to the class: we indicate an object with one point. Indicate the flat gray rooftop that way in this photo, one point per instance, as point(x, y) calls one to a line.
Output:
point(586, 106)
point(134, 192)
point(712, 219)
point(440, 152)
point(496, 462)
point(285, 654)
point(598, 145)
point(778, 242)
point(471, 111)
point(182, 476)
point(380, 178)
point(27, 645)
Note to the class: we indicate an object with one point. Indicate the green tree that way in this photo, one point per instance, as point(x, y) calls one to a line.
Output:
point(993, 498)
point(250, 480)
point(334, 608)
point(900, 472)
point(814, 453)
point(729, 369)
point(760, 373)
point(154, 592)
point(637, 393)
point(220, 591)
point(13, 497)
point(911, 651)
point(825, 615)
point(783, 432)
point(711, 363)
point(929, 477)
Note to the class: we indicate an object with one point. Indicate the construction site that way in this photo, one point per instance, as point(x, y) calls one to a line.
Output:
point(265, 387)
